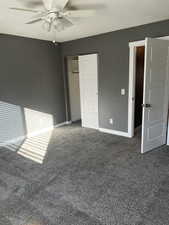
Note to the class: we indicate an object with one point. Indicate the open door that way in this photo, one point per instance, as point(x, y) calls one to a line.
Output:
point(155, 95)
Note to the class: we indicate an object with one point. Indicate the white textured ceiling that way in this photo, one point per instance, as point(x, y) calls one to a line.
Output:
point(115, 15)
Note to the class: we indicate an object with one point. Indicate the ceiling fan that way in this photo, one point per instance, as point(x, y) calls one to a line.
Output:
point(57, 14)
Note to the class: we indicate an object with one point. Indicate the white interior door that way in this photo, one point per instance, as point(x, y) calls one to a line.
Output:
point(74, 89)
point(155, 96)
point(88, 74)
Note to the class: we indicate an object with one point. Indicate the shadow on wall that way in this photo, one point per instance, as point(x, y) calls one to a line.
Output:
point(25, 131)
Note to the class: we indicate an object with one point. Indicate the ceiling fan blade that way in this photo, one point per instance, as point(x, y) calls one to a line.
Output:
point(39, 15)
point(34, 21)
point(66, 22)
point(80, 13)
point(31, 3)
point(59, 4)
point(84, 6)
point(47, 26)
point(25, 10)
point(61, 23)
point(48, 4)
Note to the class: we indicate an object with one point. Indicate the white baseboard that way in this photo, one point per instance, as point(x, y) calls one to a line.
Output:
point(36, 133)
point(33, 134)
point(114, 132)
point(68, 122)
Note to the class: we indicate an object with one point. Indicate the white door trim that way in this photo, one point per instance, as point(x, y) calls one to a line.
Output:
point(131, 90)
point(137, 43)
point(73, 84)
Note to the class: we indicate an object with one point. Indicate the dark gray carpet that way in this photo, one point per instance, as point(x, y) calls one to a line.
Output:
point(87, 178)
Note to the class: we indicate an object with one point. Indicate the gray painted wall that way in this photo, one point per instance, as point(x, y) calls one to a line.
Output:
point(30, 78)
point(113, 53)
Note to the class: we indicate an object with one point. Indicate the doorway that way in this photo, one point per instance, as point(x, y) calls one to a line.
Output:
point(139, 83)
point(74, 88)
point(82, 74)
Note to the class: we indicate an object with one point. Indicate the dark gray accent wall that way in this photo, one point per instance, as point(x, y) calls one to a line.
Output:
point(113, 53)
point(31, 77)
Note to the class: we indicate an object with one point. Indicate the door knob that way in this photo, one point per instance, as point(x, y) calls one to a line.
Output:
point(146, 105)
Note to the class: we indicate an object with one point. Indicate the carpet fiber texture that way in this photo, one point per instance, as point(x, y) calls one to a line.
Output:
point(77, 176)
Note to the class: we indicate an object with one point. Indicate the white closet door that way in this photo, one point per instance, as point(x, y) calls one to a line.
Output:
point(88, 74)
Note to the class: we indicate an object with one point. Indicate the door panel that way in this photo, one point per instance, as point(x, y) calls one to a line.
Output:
point(88, 73)
point(154, 125)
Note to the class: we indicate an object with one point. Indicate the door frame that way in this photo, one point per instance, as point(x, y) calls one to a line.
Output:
point(68, 59)
point(66, 81)
point(132, 79)
point(131, 87)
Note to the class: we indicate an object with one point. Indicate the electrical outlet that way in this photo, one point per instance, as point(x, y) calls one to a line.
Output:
point(111, 121)
point(123, 91)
